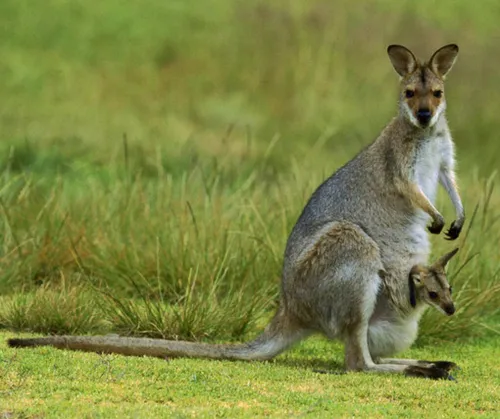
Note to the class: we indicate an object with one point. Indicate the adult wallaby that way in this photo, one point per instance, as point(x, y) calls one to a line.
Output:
point(349, 255)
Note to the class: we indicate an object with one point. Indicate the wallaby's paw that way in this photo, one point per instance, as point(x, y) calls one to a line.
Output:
point(437, 226)
point(454, 231)
point(431, 372)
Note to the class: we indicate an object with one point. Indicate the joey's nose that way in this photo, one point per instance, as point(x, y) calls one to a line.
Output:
point(450, 309)
point(424, 116)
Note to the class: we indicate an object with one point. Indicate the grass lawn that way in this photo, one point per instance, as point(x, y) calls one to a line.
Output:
point(46, 382)
point(154, 157)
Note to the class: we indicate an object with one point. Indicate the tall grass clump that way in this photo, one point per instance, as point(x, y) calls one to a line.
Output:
point(65, 309)
point(186, 257)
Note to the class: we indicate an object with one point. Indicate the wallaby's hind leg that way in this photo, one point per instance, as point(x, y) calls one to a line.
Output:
point(358, 358)
point(357, 352)
point(385, 339)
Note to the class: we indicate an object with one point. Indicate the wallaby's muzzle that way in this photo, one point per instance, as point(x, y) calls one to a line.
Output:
point(449, 309)
point(424, 117)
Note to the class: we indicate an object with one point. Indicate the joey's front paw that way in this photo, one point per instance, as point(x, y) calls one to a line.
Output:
point(437, 225)
point(454, 231)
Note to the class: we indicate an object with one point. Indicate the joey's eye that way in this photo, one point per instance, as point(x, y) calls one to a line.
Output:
point(433, 295)
point(409, 93)
point(437, 93)
point(451, 290)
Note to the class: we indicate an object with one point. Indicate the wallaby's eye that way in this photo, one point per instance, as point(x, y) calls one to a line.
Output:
point(451, 290)
point(409, 93)
point(437, 93)
point(433, 295)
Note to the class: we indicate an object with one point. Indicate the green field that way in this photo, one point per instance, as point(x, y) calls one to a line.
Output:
point(46, 382)
point(154, 157)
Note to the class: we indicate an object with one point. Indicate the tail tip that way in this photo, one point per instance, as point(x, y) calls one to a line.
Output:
point(19, 343)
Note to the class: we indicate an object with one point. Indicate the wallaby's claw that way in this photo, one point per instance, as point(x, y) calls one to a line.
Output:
point(454, 231)
point(436, 227)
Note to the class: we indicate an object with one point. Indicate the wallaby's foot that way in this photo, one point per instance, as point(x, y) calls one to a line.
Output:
point(454, 231)
point(437, 225)
point(432, 372)
point(444, 365)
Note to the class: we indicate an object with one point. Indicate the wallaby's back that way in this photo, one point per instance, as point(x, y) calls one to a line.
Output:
point(363, 193)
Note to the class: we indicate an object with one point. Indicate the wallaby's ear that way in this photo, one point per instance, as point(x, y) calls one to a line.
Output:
point(414, 282)
point(443, 59)
point(416, 275)
point(443, 260)
point(402, 59)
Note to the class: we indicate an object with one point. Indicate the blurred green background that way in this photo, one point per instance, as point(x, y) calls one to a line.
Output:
point(159, 152)
point(79, 74)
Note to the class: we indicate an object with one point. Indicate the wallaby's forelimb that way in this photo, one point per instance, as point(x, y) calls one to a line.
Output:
point(414, 193)
point(447, 179)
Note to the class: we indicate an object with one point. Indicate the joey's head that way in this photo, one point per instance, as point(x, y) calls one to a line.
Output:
point(422, 99)
point(428, 284)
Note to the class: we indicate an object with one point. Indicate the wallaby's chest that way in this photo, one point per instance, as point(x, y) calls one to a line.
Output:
point(427, 162)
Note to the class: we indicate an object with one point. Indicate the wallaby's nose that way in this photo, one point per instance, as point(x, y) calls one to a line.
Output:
point(424, 116)
point(450, 309)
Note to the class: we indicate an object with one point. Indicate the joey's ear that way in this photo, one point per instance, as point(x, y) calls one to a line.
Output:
point(443, 59)
point(402, 59)
point(414, 282)
point(416, 275)
point(443, 260)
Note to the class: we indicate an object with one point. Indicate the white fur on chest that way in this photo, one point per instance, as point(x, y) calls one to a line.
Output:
point(427, 165)
point(432, 153)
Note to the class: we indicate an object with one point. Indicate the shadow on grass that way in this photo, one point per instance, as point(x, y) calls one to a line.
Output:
point(315, 365)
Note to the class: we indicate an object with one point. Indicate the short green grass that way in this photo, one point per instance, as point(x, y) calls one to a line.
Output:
point(46, 382)
point(154, 157)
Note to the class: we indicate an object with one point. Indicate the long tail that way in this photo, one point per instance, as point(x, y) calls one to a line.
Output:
point(278, 336)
